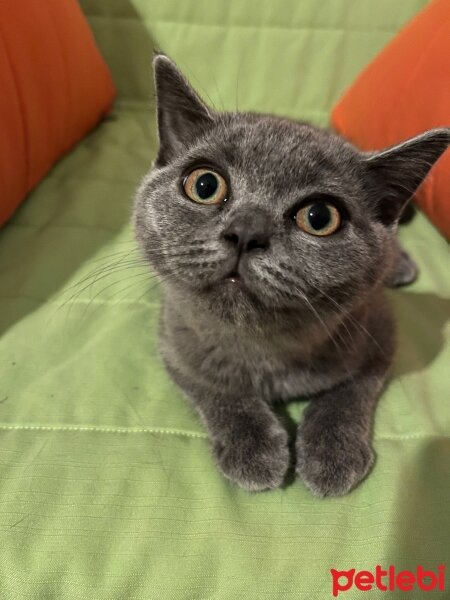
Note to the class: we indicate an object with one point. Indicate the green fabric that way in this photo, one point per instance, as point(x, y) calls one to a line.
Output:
point(107, 487)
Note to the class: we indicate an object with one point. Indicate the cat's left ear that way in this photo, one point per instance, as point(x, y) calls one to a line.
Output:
point(182, 114)
point(397, 172)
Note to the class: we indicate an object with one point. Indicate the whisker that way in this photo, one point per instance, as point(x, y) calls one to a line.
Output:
point(91, 301)
point(330, 335)
point(94, 278)
point(352, 319)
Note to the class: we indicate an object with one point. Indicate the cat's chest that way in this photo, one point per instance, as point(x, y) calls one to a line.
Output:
point(238, 365)
point(283, 377)
point(295, 380)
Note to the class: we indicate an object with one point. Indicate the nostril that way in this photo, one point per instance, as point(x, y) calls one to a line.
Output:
point(256, 244)
point(248, 233)
point(246, 243)
point(233, 238)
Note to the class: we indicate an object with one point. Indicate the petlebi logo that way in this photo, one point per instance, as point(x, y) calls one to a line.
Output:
point(388, 580)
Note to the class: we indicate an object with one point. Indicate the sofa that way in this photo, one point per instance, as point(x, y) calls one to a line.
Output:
point(108, 489)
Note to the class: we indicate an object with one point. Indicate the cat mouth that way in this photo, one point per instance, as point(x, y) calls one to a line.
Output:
point(233, 278)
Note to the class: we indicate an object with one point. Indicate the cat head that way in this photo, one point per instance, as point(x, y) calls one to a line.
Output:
point(250, 215)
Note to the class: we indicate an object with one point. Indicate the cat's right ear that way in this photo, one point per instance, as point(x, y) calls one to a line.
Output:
point(398, 171)
point(181, 114)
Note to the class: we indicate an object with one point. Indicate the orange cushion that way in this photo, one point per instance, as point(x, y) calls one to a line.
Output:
point(54, 89)
point(403, 92)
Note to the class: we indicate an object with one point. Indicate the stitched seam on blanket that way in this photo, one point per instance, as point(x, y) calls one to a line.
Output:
point(173, 431)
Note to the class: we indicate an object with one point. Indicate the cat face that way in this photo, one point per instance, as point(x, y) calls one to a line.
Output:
point(253, 214)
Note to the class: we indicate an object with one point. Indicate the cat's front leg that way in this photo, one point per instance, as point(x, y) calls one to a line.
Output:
point(333, 445)
point(249, 444)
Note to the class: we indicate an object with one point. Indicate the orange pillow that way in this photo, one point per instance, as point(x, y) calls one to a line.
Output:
point(403, 92)
point(54, 89)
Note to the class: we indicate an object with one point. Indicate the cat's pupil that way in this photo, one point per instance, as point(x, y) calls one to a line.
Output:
point(206, 185)
point(319, 215)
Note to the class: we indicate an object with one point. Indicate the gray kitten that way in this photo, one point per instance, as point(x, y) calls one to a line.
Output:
point(274, 241)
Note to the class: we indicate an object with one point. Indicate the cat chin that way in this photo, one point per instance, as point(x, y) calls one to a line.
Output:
point(236, 303)
point(237, 298)
point(231, 289)
point(229, 300)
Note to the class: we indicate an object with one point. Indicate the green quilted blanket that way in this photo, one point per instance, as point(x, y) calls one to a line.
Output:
point(107, 487)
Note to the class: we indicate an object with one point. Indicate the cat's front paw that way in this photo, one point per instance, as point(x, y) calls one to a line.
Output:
point(331, 463)
point(254, 455)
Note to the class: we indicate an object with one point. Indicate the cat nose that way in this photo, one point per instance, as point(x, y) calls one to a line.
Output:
point(249, 232)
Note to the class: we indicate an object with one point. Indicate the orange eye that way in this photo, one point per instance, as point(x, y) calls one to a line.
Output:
point(205, 187)
point(318, 218)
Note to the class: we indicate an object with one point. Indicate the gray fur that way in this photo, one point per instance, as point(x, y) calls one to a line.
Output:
point(309, 318)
